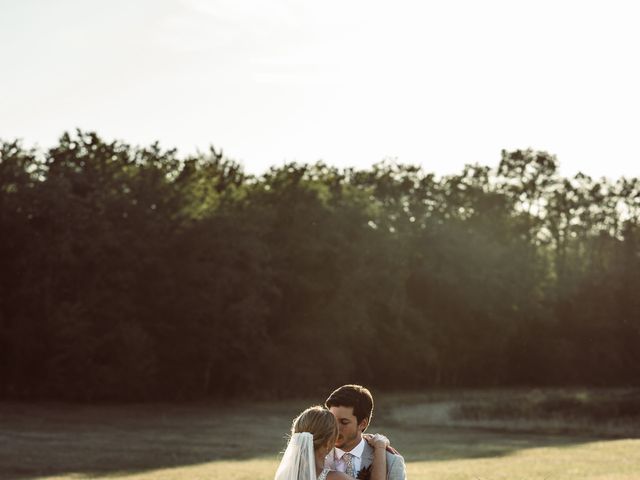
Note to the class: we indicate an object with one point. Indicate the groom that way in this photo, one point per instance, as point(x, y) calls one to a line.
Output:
point(352, 405)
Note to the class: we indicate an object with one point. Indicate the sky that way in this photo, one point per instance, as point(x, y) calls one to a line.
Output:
point(349, 82)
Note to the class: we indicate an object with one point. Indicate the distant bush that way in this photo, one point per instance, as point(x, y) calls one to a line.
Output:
point(553, 404)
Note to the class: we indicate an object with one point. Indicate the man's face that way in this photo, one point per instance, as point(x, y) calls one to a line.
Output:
point(349, 432)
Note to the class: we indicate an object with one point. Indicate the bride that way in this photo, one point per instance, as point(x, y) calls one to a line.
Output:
point(313, 435)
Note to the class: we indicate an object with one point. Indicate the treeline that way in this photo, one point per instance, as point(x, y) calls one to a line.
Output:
point(129, 273)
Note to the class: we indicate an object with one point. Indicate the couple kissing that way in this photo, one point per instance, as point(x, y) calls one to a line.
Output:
point(330, 444)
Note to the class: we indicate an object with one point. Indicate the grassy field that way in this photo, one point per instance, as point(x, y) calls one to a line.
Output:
point(443, 436)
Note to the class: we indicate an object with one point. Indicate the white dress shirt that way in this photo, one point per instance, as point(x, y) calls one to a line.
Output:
point(334, 460)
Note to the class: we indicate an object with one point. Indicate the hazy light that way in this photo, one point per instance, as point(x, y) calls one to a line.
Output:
point(351, 82)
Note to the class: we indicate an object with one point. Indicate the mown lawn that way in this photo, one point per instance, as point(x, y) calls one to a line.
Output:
point(242, 441)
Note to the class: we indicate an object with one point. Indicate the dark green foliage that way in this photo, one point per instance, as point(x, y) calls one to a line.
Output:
point(127, 273)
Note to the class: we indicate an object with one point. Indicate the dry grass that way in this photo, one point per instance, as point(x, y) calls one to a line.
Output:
point(238, 442)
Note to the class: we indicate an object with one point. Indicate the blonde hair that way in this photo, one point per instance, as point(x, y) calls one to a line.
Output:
point(319, 422)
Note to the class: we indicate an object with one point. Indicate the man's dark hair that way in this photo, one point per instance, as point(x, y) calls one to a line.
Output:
point(355, 396)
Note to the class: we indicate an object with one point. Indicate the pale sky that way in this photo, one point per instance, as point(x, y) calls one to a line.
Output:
point(349, 82)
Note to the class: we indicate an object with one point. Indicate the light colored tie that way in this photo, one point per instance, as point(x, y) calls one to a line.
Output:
point(348, 461)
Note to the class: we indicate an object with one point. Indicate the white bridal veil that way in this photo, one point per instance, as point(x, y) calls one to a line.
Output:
point(298, 461)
